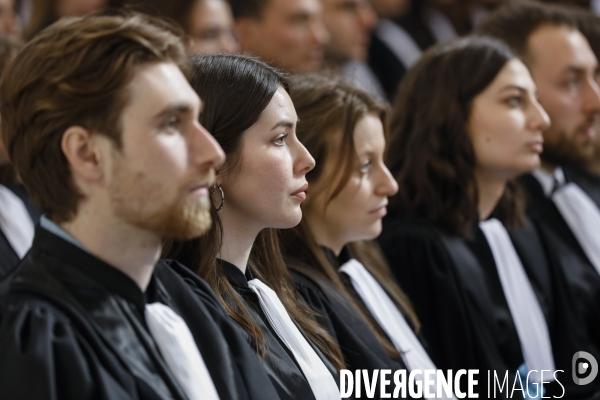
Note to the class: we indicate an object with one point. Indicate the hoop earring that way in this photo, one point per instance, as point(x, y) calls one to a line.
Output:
point(215, 186)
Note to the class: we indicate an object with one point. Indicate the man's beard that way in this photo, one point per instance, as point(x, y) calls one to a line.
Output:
point(565, 151)
point(132, 196)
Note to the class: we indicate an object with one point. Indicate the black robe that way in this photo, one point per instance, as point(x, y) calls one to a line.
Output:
point(281, 365)
point(456, 291)
point(581, 276)
point(8, 257)
point(73, 327)
point(358, 343)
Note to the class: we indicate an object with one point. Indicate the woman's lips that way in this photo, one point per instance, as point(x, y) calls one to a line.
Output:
point(300, 194)
point(379, 211)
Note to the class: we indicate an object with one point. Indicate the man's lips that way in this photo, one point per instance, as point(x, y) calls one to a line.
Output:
point(301, 193)
point(202, 189)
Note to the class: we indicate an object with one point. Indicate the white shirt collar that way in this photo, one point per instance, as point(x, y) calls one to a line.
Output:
point(547, 179)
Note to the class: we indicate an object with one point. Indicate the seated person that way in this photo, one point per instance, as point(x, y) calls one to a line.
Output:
point(102, 126)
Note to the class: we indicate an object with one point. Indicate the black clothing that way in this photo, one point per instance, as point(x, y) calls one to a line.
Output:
point(8, 257)
point(388, 69)
point(73, 327)
point(280, 364)
point(359, 345)
point(581, 276)
point(456, 291)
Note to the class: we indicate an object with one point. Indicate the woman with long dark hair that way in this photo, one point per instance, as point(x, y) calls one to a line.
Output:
point(466, 124)
point(337, 267)
point(259, 189)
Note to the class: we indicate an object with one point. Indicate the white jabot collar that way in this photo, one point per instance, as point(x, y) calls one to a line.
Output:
point(15, 222)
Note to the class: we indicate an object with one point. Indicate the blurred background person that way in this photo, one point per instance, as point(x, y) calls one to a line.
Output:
point(10, 21)
point(589, 25)
point(392, 50)
point(287, 34)
point(18, 215)
point(38, 14)
point(350, 23)
point(208, 24)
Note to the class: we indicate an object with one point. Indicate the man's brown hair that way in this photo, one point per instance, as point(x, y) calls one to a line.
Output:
point(516, 21)
point(75, 72)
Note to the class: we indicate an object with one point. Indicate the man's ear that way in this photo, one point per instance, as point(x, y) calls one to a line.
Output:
point(83, 153)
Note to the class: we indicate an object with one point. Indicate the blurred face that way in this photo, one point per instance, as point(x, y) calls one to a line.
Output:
point(211, 28)
point(271, 183)
point(79, 7)
point(506, 125)
point(9, 20)
point(390, 9)
point(356, 212)
point(160, 179)
point(349, 23)
point(290, 35)
point(563, 67)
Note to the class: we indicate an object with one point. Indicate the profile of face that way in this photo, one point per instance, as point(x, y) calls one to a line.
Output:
point(211, 28)
point(74, 8)
point(356, 212)
point(349, 23)
point(564, 68)
point(270, 185)
point(289, 35)
point(506, 124)
point(159, 180)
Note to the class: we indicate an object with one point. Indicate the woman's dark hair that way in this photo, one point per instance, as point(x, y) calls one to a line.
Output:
point(328, 110)
point(430, 153)
point(235, 90)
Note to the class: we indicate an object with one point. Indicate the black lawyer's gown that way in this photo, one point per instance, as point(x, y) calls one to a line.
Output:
point(73, 327)
point(456, 291)
point(358, 343)
point(279, 362)
point(581, 276)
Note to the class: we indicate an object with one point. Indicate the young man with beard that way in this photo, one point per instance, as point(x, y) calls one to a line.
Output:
point(287, 34)
point(563, 197)
point(103, 129)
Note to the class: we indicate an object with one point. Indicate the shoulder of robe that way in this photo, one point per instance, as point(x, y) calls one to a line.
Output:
point(410, 242)
point(44, 356)
point(177, 278)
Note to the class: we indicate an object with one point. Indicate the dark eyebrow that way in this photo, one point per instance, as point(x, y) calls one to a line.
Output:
point(514, 87)
point(181, 108)
point(285, 124)
point(574, 69)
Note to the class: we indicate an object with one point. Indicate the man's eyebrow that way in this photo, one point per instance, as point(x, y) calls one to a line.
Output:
point(285, 124)
point(179, 108)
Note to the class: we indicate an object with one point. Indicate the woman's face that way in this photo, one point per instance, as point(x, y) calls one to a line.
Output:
point(211, 28)
point(506, 124)
point(356, 212)
point(271, 184)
